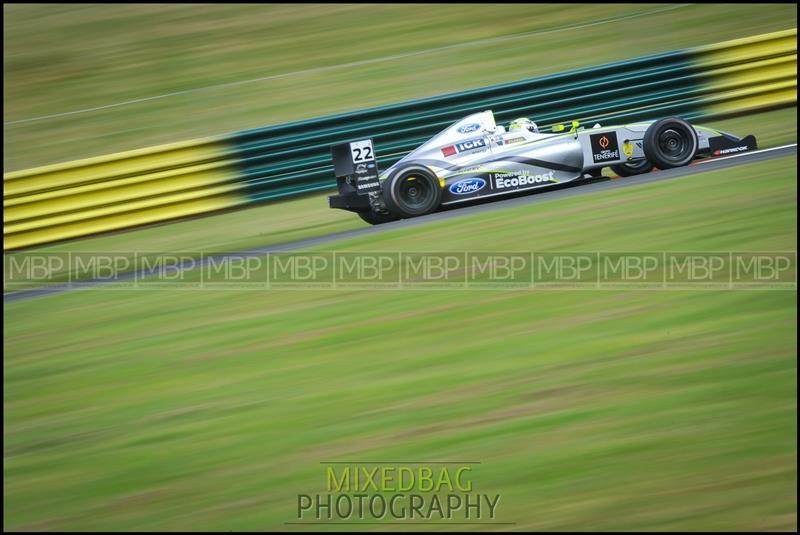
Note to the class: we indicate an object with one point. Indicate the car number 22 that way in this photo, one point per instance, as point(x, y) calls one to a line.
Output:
point(362, 151)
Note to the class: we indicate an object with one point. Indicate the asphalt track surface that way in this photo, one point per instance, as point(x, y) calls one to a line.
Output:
point(583, 188)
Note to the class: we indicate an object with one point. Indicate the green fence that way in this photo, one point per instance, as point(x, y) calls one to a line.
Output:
point(117, 191)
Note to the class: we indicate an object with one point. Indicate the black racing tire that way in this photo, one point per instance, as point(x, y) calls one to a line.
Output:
point(412, 191)
point(670, 142)
point(633, 168)
point(375, 218)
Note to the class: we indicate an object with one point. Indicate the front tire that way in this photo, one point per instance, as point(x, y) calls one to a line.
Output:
point(633, 168)
point(670, 143)
point(412, 191)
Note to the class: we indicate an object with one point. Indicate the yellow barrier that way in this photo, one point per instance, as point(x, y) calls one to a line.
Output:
point(751, 73)
point(73, 199)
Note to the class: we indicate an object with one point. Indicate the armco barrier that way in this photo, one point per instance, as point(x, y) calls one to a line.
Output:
point(74, 199)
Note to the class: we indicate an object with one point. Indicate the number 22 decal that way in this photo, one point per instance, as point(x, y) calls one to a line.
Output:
point(359, 157)
point(361, 151)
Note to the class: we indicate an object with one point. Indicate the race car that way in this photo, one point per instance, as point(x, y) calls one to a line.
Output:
point(475, 158)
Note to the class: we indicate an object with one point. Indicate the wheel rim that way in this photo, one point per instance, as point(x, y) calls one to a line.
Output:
point(674, 145)
point(414, 192)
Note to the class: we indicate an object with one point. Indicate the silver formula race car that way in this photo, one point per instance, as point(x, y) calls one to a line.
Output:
point(475, 159)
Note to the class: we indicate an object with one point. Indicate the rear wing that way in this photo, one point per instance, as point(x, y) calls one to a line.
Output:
point(357, 160)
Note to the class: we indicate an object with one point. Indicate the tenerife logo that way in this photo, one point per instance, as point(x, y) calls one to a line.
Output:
point(604, 147)
point(466, 186)
point(467, 128)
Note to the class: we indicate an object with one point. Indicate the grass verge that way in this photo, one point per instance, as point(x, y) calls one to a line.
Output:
point(606, 410)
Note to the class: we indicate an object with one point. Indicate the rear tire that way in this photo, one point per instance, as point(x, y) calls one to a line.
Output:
point(412, 191)
point(374, 218)
point(670, 143)
point(633, 168)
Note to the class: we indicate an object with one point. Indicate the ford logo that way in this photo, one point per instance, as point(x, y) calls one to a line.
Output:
point(467, 128)
point(467, 186)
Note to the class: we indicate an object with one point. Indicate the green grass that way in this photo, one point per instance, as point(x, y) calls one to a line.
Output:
point(310, 216)
point(659, 410)
point(61, 58)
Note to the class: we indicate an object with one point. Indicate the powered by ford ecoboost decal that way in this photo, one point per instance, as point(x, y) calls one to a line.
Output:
point(521, 179)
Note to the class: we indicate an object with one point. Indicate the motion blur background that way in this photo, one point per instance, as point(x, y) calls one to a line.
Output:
point(163, 409)
point(151, 74)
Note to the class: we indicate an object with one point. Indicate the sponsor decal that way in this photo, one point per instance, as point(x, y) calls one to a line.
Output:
point(472, 144)
point(467, 128)
point(720, 145)
point(366, 175)
point(720, 152)
point(467, 186)
point(464, 146)
point(521, 179)
point(514, 140)
point(604, 147)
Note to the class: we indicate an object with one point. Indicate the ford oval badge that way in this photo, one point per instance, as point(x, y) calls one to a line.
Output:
point(467, 128)
point(467, 186)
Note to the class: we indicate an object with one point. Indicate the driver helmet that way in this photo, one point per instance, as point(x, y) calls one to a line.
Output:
point(523, 123)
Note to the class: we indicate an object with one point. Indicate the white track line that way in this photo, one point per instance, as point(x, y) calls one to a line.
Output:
point(352, 64)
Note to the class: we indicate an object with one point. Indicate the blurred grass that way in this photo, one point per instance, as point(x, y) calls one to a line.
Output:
point(603, 410)
point(61, 58)
point(309, 216)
